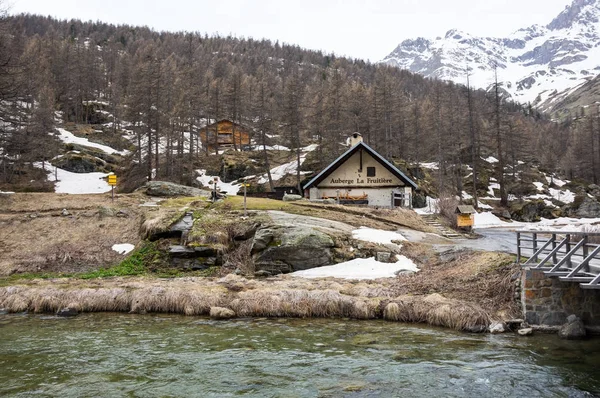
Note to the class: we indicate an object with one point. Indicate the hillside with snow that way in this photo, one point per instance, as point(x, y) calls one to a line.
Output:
point(540, 65)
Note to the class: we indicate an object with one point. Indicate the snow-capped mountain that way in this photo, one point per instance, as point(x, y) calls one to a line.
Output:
point(538, 65)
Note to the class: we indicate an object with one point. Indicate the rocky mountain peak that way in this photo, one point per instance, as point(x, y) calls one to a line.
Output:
point(537, 64)
point(580, 11)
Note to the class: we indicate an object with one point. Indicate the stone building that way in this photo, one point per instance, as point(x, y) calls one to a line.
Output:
point(362, 176)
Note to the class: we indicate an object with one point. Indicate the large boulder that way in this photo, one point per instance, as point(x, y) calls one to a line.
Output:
point(81, 163)
point(574, 329)
point(528, 211)
point(287, 248)
point(169, 189)
point(589, 208)
point(594, 190)
point(291, 197)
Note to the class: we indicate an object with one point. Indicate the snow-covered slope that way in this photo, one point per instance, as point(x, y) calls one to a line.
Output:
point(537, 65)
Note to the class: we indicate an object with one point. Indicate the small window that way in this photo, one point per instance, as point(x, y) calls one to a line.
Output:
point(370, 171)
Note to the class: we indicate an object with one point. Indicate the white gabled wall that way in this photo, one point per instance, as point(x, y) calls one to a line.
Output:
point(350, 174)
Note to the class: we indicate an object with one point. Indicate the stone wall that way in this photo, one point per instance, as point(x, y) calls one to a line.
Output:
point(549, 301)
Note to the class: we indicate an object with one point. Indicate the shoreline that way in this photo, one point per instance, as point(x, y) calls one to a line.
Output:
point(272, 298)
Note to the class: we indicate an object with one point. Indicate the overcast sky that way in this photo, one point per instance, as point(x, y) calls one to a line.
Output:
point(367, 29)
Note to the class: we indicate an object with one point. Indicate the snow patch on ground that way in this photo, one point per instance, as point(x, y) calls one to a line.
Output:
point(231, 188)
point(270, 148)
point(376, 235)
point(484, 206)
point(310, 148)
point(430, 208)
point(491, 188)
point(565, 223)
point(431, 166)
point(558, 182)
point(277, 173)
point(69, 138)
point(123, 248)
point(562, 224)
point(488, 220)
point(565, 196)
point(76, 183)
point(360, 268)
point(539, 186)
point(491, 159)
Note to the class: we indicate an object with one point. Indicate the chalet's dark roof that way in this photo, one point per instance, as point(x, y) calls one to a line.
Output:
point(346, 155)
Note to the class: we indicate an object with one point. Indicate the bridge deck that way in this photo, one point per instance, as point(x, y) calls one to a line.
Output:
point(570, 256)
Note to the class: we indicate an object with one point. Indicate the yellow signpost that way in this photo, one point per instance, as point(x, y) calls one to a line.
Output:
point(465, 216)
point(112, 181)
point(465, 220)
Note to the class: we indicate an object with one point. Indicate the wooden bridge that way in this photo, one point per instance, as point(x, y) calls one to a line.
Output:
point(570, 256)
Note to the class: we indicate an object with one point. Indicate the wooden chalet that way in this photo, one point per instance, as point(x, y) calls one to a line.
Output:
point(225, 134)
point(362, 176)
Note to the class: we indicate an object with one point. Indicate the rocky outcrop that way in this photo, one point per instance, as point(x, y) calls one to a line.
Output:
point(82, 163)
point(589, 208)
point(564, 48)
point(528, 211)
point(574, 329)
point(169, 189)
point(281, 249)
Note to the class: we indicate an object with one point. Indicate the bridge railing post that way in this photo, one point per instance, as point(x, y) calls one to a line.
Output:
point(534, 242)
point(567, 250)
point(518, 248)
point(554, 260)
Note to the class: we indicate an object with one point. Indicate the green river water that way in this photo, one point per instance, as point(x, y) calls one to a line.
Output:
point(112, 355)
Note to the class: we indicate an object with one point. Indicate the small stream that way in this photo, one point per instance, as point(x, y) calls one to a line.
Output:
point(167, 355)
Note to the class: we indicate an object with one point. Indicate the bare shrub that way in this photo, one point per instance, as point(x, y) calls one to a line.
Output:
point(446, 208)
point(589, 229)
point(239, 256)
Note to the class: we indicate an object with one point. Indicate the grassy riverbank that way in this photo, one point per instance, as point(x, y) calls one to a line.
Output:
point(56, 259)
point(277, 297)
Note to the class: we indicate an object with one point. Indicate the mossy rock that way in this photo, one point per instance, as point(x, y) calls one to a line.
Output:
point(521, 189)
point(289, 248)
point(82, 163)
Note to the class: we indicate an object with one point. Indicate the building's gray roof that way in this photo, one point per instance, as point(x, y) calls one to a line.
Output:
point(465, 209)
point(346, 155)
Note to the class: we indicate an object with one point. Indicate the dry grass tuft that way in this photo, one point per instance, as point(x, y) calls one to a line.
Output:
point(35, 237)
point(276, 297)
point(436, 310)
point(366, 216)
point(159, 222)
point(239, 257)
point(484, 278)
